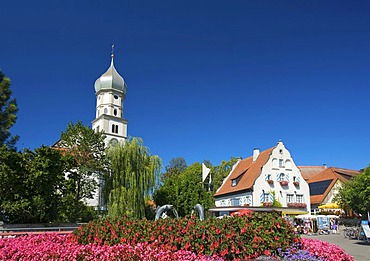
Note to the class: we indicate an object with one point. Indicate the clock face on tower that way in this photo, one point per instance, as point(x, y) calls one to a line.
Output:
point(113, 142)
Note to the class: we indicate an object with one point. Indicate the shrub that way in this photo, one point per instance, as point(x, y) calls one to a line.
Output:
point(243, 237)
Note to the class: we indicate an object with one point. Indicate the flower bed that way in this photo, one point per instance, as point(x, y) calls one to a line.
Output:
point(254, 235)
point(63, 248)
point(241, 237)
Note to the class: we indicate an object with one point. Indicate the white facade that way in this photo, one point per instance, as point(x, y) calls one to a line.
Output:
point(277, 170)
point(110, 91)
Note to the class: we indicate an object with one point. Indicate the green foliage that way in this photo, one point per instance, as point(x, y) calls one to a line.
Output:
point(174, 168)
point(356, 193)
point(85, 153)
point(8, 112)
point(30, 184)
point(275, 202)
point(220, 172)
point(243, 237)
point(184, 191)
point(133, 176)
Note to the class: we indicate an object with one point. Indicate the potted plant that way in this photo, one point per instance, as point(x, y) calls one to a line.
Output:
point(267, 204)
point(296, 183)
point(284, 183)
point(297, 205)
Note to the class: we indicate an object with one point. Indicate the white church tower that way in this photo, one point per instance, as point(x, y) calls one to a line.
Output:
point(110, 91)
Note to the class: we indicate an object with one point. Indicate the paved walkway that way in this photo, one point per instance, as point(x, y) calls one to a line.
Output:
point(359, 249)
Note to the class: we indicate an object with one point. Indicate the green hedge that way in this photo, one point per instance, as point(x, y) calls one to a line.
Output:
point(241, 237)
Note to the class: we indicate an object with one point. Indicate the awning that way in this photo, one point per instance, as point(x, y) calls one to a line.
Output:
point(294, 212)
point(329, 206)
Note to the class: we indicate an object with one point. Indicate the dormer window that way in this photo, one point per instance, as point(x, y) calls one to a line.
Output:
point(233, 182)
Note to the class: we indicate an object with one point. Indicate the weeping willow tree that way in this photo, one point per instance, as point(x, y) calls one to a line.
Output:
point(133, 176)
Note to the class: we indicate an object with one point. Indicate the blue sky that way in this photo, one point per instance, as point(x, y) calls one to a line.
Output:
point(206, 79)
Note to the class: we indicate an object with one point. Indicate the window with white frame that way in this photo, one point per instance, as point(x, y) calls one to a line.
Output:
point(266, 197)
point(299, 198)
point(289, 198)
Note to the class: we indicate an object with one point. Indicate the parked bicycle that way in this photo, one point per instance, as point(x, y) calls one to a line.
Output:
point(352, 232)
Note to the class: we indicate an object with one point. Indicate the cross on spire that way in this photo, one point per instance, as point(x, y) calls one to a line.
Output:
point(112, 51)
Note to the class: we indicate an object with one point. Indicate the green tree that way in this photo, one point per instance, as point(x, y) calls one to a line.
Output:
point(219, 173)
point(184, 191)
point(85, 154)
point(192, 191)
point(133, 176)
point(174, 168)
point(31, 184)
point(356, 193)
point(8, 112)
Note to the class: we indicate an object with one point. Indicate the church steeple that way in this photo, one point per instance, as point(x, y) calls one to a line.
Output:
point(110, 90)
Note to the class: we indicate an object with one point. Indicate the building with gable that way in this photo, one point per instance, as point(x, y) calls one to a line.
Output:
point(257, 180)
point(324, 183)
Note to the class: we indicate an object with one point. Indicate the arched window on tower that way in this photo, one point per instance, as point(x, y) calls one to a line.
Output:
point(113, 128)
point(116, 128)
point(115, 112)
point(105, 110)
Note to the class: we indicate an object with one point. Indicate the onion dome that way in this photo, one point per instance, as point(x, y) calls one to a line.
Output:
point(111, 80)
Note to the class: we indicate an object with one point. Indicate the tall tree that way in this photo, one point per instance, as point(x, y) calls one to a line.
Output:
point(174, 168)
point(192, 191)
point(85, 151)
point(133, 176)
point(8, 112)
point(184, 191)
point(31, 184)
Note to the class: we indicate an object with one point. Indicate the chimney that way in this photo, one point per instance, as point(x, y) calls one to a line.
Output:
point(325, 166)
point(256, 152)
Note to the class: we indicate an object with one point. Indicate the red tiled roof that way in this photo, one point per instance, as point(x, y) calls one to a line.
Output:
point(247, 171)
point(309, 171)
point(330, 173)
